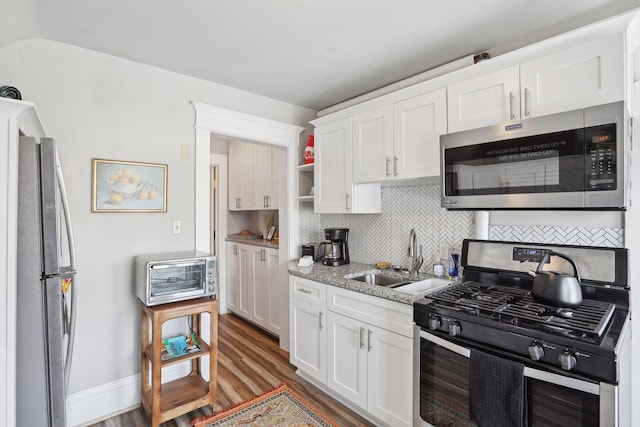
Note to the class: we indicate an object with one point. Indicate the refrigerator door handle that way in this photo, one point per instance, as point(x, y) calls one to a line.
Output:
point(68, 272)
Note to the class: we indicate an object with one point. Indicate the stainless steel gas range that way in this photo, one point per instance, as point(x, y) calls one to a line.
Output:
point(492, 353)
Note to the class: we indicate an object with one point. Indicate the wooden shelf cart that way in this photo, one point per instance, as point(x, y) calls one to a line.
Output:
point(169, 400)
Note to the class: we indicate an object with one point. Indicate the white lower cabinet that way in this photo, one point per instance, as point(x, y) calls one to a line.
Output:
point(307, 327)
point(267, 294)
point(364, 353)
point(239, 279)
point(254, 285)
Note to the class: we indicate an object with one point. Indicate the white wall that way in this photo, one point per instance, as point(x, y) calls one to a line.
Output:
point(99, 106)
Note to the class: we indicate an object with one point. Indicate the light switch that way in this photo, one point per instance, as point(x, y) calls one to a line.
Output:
point(177, 226)
point(185, 152)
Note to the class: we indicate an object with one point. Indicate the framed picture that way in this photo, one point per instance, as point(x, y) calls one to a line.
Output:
point(272, 232)
point(118, 186)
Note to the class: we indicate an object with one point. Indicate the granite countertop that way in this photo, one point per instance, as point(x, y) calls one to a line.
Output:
point(254, 242)
point(335, 276)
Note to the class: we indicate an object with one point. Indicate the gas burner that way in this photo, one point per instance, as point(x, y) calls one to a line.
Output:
point(565, 313)
point(516, 306)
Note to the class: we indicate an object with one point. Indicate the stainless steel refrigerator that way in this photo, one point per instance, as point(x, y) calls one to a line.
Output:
point(47, 287)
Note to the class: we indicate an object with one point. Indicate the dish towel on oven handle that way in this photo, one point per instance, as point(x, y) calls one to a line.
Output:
point(497, 391)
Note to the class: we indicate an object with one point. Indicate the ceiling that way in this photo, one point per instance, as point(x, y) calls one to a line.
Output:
point(309, 53)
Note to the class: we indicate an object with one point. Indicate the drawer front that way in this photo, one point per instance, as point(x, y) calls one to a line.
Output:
point(308, 290)
point(390, 315)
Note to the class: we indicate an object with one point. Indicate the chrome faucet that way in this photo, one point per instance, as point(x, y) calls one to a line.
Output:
point(412, 252)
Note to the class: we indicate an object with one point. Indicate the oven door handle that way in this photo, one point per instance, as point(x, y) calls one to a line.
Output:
point(537, 374)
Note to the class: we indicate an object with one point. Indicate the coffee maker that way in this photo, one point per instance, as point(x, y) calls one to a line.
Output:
point(335, 252)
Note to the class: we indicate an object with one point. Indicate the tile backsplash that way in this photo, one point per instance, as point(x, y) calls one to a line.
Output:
point(385, 236)
point(583, 236)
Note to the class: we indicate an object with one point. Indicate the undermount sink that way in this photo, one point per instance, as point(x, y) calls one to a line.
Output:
point(422, 286)
point(382, 280)
point(402, 284)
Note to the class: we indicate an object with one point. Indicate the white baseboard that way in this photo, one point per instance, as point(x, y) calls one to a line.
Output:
point(107, 400)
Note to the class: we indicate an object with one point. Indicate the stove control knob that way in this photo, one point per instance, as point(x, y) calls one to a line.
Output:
point(454, 328)
point(434, 323)
point(536, 351)
point(567, 360)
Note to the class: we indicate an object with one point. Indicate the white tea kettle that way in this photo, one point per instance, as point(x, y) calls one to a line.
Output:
point(556, 289)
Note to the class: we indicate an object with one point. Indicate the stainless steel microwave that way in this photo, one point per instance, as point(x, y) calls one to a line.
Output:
point(572, 160)
point(176, 276)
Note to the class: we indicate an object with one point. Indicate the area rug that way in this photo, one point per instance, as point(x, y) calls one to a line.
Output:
point(278, 407)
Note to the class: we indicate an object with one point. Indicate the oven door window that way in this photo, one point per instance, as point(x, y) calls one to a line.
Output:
point(535, 164)
point(444, 394)
point(168, 280)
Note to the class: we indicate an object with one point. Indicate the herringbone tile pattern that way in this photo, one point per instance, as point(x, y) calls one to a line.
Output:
point(385, 236)
point(608, 237)
point(376, 237)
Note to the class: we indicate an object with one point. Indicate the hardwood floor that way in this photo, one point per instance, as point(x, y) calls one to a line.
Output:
point(250, 362)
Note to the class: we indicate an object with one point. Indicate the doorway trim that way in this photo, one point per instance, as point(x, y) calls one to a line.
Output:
point(221, 121)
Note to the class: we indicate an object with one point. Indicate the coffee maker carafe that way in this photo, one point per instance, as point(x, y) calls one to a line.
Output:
point(336, 251)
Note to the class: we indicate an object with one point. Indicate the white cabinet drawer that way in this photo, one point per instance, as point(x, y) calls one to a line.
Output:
point(390, 315)
point(308, 290)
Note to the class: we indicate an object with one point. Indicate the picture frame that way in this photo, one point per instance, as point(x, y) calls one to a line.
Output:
point(126, 186)
point(272, 232)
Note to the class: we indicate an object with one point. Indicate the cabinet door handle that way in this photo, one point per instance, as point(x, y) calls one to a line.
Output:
point(238, 204)
point(263, 255)
point(264, 201)
point(268, 201)
point(526, 106)
point(235, 249)
point(304, 291)
point(369, 347)
point(320, 319)
point(511, 116)
point(361, 337)
point(395, 166)
point(346, 200)
point(386, 166)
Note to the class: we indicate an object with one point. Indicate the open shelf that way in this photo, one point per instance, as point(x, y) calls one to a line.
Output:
point(203, 346)
point(169, 400)
point(305, 182)
point(305, 168)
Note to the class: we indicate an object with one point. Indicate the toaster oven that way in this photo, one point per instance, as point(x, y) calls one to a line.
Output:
point(176, 276)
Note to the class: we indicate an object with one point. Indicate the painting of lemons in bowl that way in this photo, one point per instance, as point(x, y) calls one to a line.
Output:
point(125, 183)
point(123, 186)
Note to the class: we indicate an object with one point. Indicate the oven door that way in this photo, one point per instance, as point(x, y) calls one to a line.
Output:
point(176, 281)
point(552, 399)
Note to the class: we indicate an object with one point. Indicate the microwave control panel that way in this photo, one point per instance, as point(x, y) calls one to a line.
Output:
point(600, 158)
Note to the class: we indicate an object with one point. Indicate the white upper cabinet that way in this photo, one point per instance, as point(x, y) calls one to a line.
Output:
point(417, 125)
point(241, 194)
point(484, 100)
point(582, 76)
point(253, 176)
point(401, 140)
point(373, 145)
point(332, 153)
point(334, 188)
point(586, 75)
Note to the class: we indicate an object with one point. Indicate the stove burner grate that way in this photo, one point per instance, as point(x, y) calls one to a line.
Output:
point(589, 320)
point(516, 306)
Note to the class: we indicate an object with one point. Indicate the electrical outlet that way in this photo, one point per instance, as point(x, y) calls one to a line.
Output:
point(177, 226)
